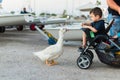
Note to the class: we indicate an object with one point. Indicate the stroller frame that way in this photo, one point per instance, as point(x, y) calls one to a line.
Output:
point(85, 59)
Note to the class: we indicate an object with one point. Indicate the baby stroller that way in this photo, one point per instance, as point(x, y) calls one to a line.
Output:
point(106, 48)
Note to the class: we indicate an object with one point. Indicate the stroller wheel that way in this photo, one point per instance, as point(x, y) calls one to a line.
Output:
point(90, 54)
point(84, 61)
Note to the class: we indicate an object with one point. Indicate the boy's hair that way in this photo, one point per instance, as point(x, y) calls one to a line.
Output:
point(96, 11)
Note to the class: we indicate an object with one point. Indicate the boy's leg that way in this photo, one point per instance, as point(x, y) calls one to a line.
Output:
point(84, 39)
point(80, 49)
point(86, 35)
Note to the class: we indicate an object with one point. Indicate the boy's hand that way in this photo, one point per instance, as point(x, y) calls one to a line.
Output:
point(84, 26)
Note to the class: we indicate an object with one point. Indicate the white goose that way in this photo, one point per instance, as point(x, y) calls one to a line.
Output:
point(52, 52)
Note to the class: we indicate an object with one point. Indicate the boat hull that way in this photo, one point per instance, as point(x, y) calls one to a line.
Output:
point(73, 33)
point(10, 20)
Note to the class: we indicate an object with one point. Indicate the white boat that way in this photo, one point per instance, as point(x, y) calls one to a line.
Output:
point(16, 19)
point(74, 32)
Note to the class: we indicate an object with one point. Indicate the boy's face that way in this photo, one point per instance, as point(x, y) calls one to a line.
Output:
point(94, 18)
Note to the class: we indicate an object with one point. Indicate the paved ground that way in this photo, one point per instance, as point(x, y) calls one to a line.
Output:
point(18, 63)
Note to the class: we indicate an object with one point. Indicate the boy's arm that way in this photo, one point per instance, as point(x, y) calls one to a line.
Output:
point(91, 28)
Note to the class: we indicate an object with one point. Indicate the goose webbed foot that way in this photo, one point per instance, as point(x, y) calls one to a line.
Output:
point(51, 62)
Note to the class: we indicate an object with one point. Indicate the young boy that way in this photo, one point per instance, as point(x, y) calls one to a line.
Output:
point(97, 26)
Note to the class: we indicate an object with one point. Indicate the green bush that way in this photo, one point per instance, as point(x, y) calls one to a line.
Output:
point(42, 14)
point(53, 14)
point(12, 12)
point(33, 13)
